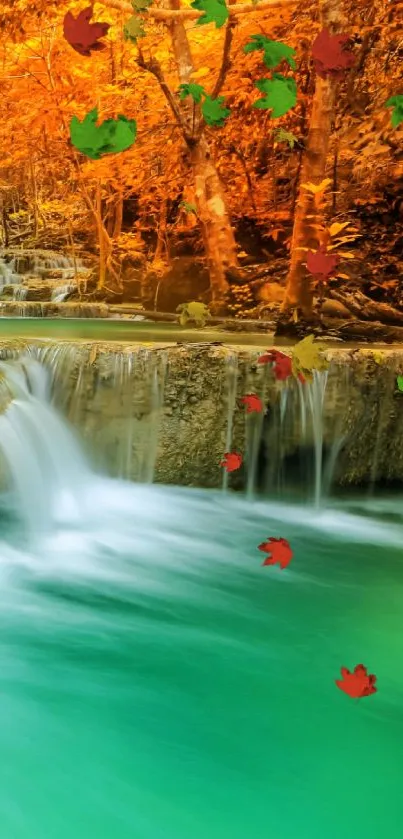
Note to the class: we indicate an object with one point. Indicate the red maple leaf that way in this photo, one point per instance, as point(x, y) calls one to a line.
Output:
point(279, 549)
point(321, 264)
point(82, 35)
point(282, 364)
point(253, 403)
point(329, 57)
point(358, 683)
point(231, 461)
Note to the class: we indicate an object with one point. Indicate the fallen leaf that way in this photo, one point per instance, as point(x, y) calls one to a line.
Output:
point(215, 11)
point(280, 94)
point(82, 35)
point(278, 550)
point(282, 364)
point(306, 357)
point(399, 382)
point(396, 102)
point(274, 52)
point(358, 683)
point(253, 403)
point(231, 461)
point(213, 111)
point(134, 29)
point(110, 137)
point(329, 57)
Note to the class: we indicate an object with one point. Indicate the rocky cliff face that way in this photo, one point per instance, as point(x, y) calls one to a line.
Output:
point(169, 413)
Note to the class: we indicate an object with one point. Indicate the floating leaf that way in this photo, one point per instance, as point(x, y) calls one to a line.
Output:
point(215, 11)
point(274, 52)
point(329, 57)
point(213, 111)
point(196, 91)
point(282, 136)
point(82, 35)
point(111, 137)
point(189, 208)
point(195, 311)
point(141, 5)
point(358, 683)
point(396, 102)
point(231, 461)
point(134, 29)
point(306, 357)
point(280, 94)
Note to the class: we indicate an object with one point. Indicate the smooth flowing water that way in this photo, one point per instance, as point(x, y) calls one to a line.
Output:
point(158, 682)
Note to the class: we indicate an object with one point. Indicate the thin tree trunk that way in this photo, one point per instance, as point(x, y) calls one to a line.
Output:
point(299, 292)
point(217, 232)
point(218, 236)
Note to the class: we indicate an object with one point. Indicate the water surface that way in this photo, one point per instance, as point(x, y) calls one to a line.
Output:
point(158, 683)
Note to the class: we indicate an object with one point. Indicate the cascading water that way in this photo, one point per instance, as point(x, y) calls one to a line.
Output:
point(156, 681)
point(41, 455)
point(18, 269)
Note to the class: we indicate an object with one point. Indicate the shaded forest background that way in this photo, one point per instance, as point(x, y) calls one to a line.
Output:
point(135, 212)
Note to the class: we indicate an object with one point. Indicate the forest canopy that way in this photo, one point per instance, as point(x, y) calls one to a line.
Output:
point(231, 144)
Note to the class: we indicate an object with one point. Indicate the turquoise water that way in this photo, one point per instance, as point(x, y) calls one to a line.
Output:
point(158, 683)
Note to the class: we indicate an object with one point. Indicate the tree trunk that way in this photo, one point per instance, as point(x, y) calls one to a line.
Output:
point(218, 236)
point(299, 292)
point(217, 232)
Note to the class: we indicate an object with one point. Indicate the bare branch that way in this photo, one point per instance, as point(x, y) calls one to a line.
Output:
point(193, 14)
point(226, 61)
point(153, 66)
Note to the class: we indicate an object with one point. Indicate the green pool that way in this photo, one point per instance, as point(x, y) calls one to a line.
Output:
point(158, 683)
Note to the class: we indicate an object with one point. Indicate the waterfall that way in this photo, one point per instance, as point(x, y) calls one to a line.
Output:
point(304, 438)
point(60, 292)
point(46, 470)
point(58, 273)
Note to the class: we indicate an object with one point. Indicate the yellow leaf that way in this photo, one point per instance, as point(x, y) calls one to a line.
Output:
point(336, 228)
point(315, 189)
point(347, 255)
point(343, 276)
point(306, 358)
point(201, 73)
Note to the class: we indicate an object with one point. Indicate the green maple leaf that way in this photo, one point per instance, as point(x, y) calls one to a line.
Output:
point(215, 11)
point(111, 137)
point(280, 94)
point(396, 102)
point(213, 111)
point(399, 382)
point(134, 29)
point(274, 52)
point(196, 91)
point(189, 208)
point(141, 5)
point(282, 136)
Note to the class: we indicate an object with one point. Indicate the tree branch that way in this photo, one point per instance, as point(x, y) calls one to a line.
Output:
point(226, 61)
point(153, 66)
point(193, 14)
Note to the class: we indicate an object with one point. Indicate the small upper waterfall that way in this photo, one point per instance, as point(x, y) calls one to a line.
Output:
point(43, 462)
point(38, 275)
